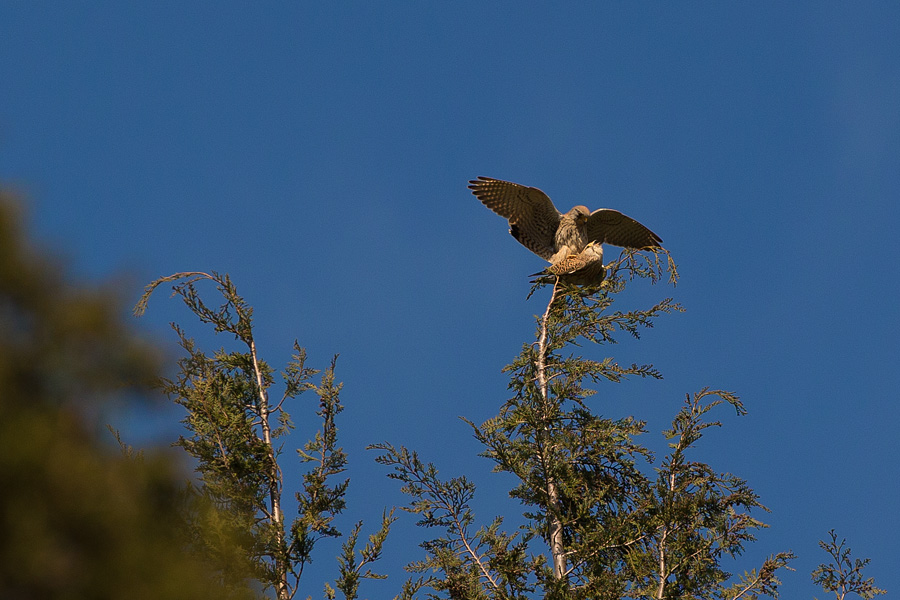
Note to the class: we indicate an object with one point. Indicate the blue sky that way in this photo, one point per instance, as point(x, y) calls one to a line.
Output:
point(319, 153)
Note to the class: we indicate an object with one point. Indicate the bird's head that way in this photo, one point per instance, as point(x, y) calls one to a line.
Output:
point(580, 214)
point(594, 248)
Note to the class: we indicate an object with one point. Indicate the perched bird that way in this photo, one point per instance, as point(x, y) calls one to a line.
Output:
point(584, 268)
point(554, 236)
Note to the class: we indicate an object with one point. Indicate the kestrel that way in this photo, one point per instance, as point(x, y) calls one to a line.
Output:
point(584, 268)
point(537, 225)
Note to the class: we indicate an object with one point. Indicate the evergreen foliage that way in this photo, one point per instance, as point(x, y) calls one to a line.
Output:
point(844, 576)
point(238, 516)
point(604, 517)
point(599, 523)
point(79, 519)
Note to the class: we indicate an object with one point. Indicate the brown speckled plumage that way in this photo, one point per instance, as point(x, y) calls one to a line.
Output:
point(536, 223)
point(584, 268)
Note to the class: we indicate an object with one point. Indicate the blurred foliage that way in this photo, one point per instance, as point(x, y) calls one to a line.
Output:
point(78, 518)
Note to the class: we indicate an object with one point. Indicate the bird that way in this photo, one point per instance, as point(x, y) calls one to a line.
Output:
point(554, 236)
point(584, 268)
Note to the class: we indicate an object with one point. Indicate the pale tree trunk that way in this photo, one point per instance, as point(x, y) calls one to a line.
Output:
point(663, 545)
point(282, 589)
point(556, 526)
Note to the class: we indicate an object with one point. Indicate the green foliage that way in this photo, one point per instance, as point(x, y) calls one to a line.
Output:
point(763, 582)
point(844, 576)
point(599, 522)
point(351, 567)
point(320, 502)
point(696, 516)
point(470, 559)
point(604, 518)
point(78, 519)
point(238, 516)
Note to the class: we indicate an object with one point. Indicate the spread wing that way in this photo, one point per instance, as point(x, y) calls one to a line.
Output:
point(533, 220)
point(609, 226)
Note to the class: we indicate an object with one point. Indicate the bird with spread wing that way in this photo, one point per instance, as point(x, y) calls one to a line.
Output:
point(536, 223)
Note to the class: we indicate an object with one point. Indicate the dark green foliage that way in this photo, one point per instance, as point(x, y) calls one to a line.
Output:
point(600, 522)
point(695, 517)
point(231, 436)
point(78, 519)
point(320, 502)
point(604, 518)
point(471, 559)
point(238, 516)
point(844, 576)
point(351, 568)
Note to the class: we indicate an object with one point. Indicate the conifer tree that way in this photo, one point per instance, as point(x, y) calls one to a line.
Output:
point(844, 576)
point(604, 517)
point(235, 432)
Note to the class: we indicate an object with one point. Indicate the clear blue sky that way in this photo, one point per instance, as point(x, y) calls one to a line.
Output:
point(319, 153)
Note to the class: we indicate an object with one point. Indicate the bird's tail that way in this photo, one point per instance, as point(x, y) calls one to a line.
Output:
point(542, 277)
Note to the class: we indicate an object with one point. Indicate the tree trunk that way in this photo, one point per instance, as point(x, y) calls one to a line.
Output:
point(556, 526)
